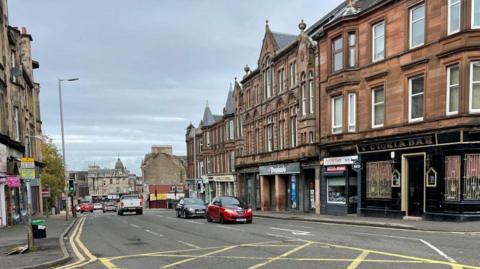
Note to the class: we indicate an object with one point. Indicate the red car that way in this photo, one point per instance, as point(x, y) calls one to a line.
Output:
point(229, 209)
point(86, 207)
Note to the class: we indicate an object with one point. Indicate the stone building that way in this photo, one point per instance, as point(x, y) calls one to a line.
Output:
point(20, 121)
point(399, 92)
point(107, 183)
point(161, 167)
point(277, 160)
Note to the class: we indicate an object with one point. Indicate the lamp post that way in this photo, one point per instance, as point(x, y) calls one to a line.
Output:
point(63, 140)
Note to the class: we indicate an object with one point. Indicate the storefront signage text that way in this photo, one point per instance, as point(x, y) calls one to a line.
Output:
point(336, 168)
point(397, 144)
point(279, 169)
point(345, 160)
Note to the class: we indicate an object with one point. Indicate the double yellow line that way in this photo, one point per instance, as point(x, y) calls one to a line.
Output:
point(78, 247)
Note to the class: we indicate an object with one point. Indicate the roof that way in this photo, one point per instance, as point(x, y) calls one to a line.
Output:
point(208, 118)
point(229, 106)
point(283, 40)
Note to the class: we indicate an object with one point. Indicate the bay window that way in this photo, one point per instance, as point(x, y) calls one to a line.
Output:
point(475, 14)
point(454, 11)
point(378, 107)
point(453, 88)
point(475, 87)
point(417, 26)
point(337, 114)
point(415, 99)
point(378, 41)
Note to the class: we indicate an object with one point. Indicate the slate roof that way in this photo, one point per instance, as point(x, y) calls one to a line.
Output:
point(283, 40)
point(229, 106)
point(208, 118)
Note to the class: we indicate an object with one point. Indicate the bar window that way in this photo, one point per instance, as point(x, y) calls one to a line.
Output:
point(378, 107)
point(337, 49)
point(454, 9)
point(379, 175)
point(471, 186)
point(452, 178)
point(351, 112)
point(453, 88)
point(475, 87)
point(417, 26)
point(352, 50)
point(415, 104)
point(337, 114)
point(378, 41)
point(475, 14)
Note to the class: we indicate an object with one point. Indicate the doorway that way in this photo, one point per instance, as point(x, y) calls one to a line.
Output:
point(413, 185)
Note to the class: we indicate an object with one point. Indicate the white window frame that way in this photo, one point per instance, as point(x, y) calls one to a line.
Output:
point(374, 59)
point(16, 123)
point(335, 52)
point(339, 127)
point(473, 17)
point(352, 50)
point(471, 109)
point(312, 96)
point(410, 119)
point(269, 134)
point(382, 88)
point(232, 161)
point(352, 107)
point(231, 130)
point(450, 4)
point(412, 22)
point(304, 98)
point(449, 86)
point(293, 74)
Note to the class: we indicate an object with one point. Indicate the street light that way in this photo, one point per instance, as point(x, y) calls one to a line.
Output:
point(63, 140)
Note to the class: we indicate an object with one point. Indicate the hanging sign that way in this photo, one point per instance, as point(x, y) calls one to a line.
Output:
point(13, 182)
point(27, 170)
point(345, 160)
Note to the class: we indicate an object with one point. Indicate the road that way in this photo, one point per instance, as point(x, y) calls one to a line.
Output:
point(158, 239)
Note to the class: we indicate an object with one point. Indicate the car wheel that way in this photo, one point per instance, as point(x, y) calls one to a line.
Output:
point(249, 221)
point(81, 212)
point(92, 211)
point(141, 212)
point(120, 213)
point(178, 214)
point(104, 211)
point(185, 216)
point(222, 221)
point(208, 218)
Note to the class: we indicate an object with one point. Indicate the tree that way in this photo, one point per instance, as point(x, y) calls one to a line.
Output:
point(53, 172)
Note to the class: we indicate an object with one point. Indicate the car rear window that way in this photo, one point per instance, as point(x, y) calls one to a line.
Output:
point(125, 197)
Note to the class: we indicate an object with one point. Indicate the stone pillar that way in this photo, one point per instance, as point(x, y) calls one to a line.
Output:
point(280, 193)
point(265, 193)
point(317, 190)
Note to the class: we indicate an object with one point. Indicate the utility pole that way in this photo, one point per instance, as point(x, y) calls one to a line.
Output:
point(195, 160)
point(63, 144)
point(29, 199)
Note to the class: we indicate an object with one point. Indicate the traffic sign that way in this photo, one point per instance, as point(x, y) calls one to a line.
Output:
point(45, 192)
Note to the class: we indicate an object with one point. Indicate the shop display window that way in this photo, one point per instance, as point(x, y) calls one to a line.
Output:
point(379, 175)
point(471, 186)
point(336, 190)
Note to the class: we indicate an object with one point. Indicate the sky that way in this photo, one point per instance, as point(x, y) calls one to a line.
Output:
point(146, 67)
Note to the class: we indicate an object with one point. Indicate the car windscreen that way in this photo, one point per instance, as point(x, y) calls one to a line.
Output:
point(192, 201)
point(130, 197)
point(229, 201)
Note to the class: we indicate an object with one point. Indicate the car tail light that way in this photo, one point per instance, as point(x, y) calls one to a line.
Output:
point(141, 203)
point(121, 204)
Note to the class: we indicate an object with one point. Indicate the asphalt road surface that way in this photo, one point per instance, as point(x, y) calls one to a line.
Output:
point(158, 239)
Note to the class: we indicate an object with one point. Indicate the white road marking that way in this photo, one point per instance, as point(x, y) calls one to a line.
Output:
point(154, 233)
point(295, 232)
point(416, 239)
point(189, 244)
point(229, 228)
point(134, 225)
point(191, 221)
point(438, 251)
point(290, 225)
point(283, 236)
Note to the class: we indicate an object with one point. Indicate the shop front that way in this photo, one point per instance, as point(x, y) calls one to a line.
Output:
point(338, 187)
point(433, 175)
point(224, 185)
point(249, 186)
point(281, 187)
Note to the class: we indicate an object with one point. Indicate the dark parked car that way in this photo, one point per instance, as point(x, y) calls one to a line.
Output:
point(190, 207)
point(109, 206)
point(229, 209)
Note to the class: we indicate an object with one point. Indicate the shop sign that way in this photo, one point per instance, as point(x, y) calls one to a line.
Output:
point(280, 169)
point(293, 184)
point(3, 158)
point(162, 196)
point(13, 182)
point(224, 178)
point(341, 168)
point(411, 142)
point(153, 197)
point(346, 160)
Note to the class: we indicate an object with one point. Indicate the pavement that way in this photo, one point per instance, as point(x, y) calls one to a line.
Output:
point(158, 239)
point(421, 225)
point(46, 251)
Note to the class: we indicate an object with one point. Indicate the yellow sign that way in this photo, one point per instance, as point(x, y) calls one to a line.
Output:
point(27, 173)
point(161, 196)
point(152, 197)
point(27, 160)
point(28, 163)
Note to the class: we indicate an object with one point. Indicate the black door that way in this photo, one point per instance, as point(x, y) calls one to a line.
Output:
point(415, 185)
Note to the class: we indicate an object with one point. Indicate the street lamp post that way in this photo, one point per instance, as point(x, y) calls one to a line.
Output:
point(63, 141)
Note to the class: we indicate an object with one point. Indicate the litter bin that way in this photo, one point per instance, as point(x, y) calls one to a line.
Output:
point(39, 228)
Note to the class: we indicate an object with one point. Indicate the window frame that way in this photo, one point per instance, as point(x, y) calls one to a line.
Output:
point(350, 108)
point(472, 23)
point(471, 82)
point(337, 127)
point(339, 51)
point(374, 90)
point(311, 92)
point(411, 22)
point(449, 21)
point(410, 80)
point(448, 89)
point(354, 48)
point(374, 59)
